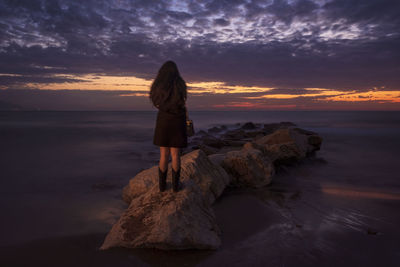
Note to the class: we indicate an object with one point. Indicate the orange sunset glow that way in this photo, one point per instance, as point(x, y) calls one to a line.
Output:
point(246, 97)
point(247, 55)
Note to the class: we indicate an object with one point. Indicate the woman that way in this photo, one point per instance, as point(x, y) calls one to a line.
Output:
point(168, 94)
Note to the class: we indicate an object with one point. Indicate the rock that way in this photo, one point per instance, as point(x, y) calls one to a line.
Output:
point(172, 220)
point(167, 220)
point(195, 165)
point(287, 153)
point(254, 145)
point(248, 126)
point(201, 132)
point(208, 149)
point(314, 140)
point(277, 153)
point(303, 131)
point(288, 145)
point(213, 141)
point(278, 137)
point(271, 127)
point(226, 149)
point(286, 124)
point(214, 130)
point(195, 140)
point(253, 134)
point(248, 167)
point(234, 142)
point(258, 136)
point(236, 134)
point(217, 158)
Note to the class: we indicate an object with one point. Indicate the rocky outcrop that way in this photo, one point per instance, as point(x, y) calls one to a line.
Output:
point(288, 145)
point(242, 157)
point(170, 220)
point(167, 220)
point(248, 167)
point(254, 164)
point(196, 166)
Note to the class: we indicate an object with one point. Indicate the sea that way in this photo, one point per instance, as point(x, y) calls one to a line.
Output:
point(62, 174)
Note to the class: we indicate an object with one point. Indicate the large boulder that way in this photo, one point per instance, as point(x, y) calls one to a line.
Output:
point(167, 220)
point(271, 127)
point(208, 149)
point(248, 167)
point(248, 126)
point(212, 141)
point(211, 178)
point(287, 145)
point(236, 134)
point(171, 220)
point(314, 141)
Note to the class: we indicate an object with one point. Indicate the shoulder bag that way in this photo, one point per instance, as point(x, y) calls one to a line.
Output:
point(189, 125)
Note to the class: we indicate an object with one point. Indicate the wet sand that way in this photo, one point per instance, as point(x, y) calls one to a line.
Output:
point(292, 222)
point(339, 208)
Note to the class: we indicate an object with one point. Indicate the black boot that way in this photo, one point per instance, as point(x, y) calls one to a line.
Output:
point(175, 179)
point(162, 179)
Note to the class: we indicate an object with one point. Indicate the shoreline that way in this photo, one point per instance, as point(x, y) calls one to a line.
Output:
point(267, 226)
point(340, 230)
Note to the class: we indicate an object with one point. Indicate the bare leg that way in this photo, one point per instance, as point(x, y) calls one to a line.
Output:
point(176, 158)
point(164, 157)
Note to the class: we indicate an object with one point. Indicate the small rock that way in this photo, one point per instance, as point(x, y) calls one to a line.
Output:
point(253, 134)
point(371, 231)
point(201, 132)
point(236, 134)
point(248, 126)
point(214, 130)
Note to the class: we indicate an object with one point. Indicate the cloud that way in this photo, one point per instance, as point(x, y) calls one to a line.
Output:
point(292, 45)
point(221, 22)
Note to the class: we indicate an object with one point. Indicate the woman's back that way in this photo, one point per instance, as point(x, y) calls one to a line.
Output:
point(168, 91)
point(168, 94)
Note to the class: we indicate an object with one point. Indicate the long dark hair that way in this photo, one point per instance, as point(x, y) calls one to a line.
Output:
point(168, 88)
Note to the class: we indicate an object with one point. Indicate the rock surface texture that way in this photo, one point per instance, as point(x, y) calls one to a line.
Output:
point(242, 157)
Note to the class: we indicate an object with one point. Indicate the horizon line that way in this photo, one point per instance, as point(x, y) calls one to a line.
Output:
point(205, 110)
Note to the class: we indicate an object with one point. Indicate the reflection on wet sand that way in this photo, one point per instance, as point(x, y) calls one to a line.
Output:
point(350, 192)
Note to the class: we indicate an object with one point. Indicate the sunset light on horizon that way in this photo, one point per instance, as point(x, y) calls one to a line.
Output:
point(248, 97)
point(273, 54)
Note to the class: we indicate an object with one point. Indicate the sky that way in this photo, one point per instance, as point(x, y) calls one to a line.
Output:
point(233, 54)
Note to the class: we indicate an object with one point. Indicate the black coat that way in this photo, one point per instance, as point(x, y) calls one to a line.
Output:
point(170, 129)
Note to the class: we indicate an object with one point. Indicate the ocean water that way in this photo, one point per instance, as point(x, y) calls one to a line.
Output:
point(61, 174)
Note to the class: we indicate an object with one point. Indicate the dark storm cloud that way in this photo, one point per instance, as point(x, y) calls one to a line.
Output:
point(378, 11)
point(341, 44)
point(221, 22)
point(9, 80)
point(287, 12)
